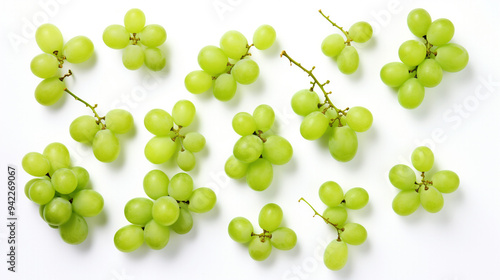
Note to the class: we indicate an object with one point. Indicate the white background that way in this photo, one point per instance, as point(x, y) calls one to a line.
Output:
point(458, 120)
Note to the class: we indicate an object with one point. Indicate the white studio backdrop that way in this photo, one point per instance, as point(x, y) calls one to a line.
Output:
point(458, 120)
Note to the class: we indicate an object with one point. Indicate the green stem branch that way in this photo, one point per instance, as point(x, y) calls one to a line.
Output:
point(339, 229)
point(243, 56)
point(348, 38)
point(98, 118)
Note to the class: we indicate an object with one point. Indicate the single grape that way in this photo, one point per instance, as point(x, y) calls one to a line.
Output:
point(445, 181)
point(264, 117)
point(44, 65)
point(78, 49)
point(155, 184)
point(58, 155)
point(406, 202)
point(343, 143)
point(160, 149)
point(305, 102)
point(57, 211)
point(360, 32)
point(156, 236)
point(106, 146)
point(359, 119)
point(184, 223)
point(49, 38)
point(49, 91)
point(353, 233)
point(234, 44)
point(260, 174)
point(244, 124)
point(348, 60)
point(165, 210)
point(402, 177)
point(418, 21)
point(245, 71)
point(83, 129)
point(283, 238)
point(332, 45)
point(235, 168)
point(212, 60)
point(248, 148)
point(240, 230)
point(277, 150)
point(158, 122)
point(259, 249)
point(181, 186)
point(452, 57)
point(153, 35)
point(88, 203)
point(198, 81)
point(225, 87)
point(129, 238)
point(270, 217)
point(429, 73)
point(331, 194)
point(154, 59)
point(134, 20)
point(412, 52)
point(440, 32)
point(264, 37)
point(82, 175)
point(41, 192)
point(116, 36)
point(28, 185)
point(411, 94)
point(356, 198)
point(194, 141)
point(314, 125)
point(186, 160)
point(336, 215)
point(138, 211)
point(202, 200)
point(36, 164)
point(422, 159)
point(394, 74)
point(119, 121)
point(75, 230)
point(335, 256)
point(183, 112)
point(431, 199)
point(64, 180)
point(133, 57)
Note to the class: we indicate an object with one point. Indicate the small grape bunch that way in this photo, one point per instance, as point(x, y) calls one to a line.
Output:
point(321, 116)
point(226, 67)
point(140, 42)
point(423, 61)
point(62, 192)
point(335, 46)
point(331, 194)
point(168, 138)
point(260, 246)
point(168, 207)
point(428, 193)
point(256, 151)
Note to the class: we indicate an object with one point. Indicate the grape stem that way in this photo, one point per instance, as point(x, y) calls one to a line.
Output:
point(243, 56)
point(339, 230)
point(259, 133)
point(177, 132)
point(423, 183)
point(60, 59)
point(134, 39)
point(263, 236)
point(428, 54)
point(98, 118)
point(348, 38)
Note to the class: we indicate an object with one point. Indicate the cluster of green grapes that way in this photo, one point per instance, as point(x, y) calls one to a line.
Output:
point(241, 229)
point(169, 206)
point(61, 191)
point(230, 64)
point(335, 46)
point(140, 42)
point(427, 193)
point(168, 138)
point(423, 61)
point(255, 152)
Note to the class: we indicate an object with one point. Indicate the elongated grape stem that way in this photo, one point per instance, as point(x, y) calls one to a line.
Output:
point(348, 38)
point(243, 56)
point(339, 230)
point(99, 119)
point(263, 236)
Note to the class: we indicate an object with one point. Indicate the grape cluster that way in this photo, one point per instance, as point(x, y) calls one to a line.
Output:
point(168, 138)
point(226, 67)
point(61, 191)
point(140, 42)
point(335, 46)
point(424, 60)
point(169, 206)
point(256, 151)
point(241, 230)
point(428, 193)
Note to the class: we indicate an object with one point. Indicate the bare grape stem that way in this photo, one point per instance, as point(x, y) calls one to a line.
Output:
point(243, 56)
point(348, 38)
point(98, 118)
point(339, 230)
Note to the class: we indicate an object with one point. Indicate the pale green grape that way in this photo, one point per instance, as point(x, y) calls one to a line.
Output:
point(412, 52)
point(44, 65)
point(198, 81)
point(260, 174)
point(186, 160)
point(411, 94)
point(78, 49)
point(153, 35)
point(343, 143)
point(202, 200)
point(418, 21)
point(234, 44)
point(116, 36)
point(235, 168)
point(83, 129)
point(158, 122)
point(82, 175)
point(452, 57)
point(277, 150)
point(305, 102)
point(183, 112)
point(440, 32)
point(154, 59)
point(402, 177)
point(88, 203)
point(57, 211)
point(155, 184)
point(360, 32)
point(429, 73)
point(259, 249)
point(28, 185)
point(264, 37)
point(129, 238)
point(406, 202)
point(165, 210)
point(332, 45)
point(354, 234)
point(106, 146)
point(49, 38)
point(445, 181)
point(64, 180)
point(212, 60)
point(336, 215)
point(240, 230)
point(283, 238)
point(181, 186)
point(119, 121)
point(270, 217)
point(133, 57)
point(41, 192)
point(431, 199)
point(75, 230)
point(156, 236)
point(160, 149)
point(331, 193)
point(314, 125)
point(245, 71)
point(134, 20)
point(356, 198)
point(138, 211)
point(359, 119)
point(58, 155)
point(248, 148)
point(335, 256)
point(244, 124)
point(194, 142)
point(348, 60)
point(49, 91)
point(36, 164)
point(394, 74)
point(264, 117)
point(184, 223)
point(225, 87)
point(422, 159)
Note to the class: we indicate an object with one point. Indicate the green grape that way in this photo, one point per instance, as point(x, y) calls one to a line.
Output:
point(49, 38)
point(44, 65)
point(360, 32)
point(445, 181)
point(314, 125)
point(270, 217)
point(260, 174)
point(235, 168)
point(429, 73)
point(75, 230)
point(331, 194)
point(82, 175)
point(156, 236)
point(49, 91)
point(411, 94)
point(160, 149)
point(183, 112)
point(154, 59)
point(248, 148)
point(240, 230)
point(155, 184)
point(259, 249)
point(202, 200)
point(41, 192)
point(116, 36)
point(440, 32)
point(418, 21)
point(119, 121)
point(234, 44)
point(184, 223)
point(412, 52)
point(58, 155)
point(356, 198)
point(244, 124)
point(225, 87)
point(336, 215)
point(88, 203)
point(194, 142)
point(153, 35)
point(129, 238)
point(394, 74)
point(335, 256)
point(165, 210)
point(353, 233)
point(422, 159)
point(36, 164)
point(28, 185)
point(402, 177)
point(138, 211)
point(277, 150)
point(106, 146)
point(359, 119)
point(57, 211)
point(78, 49)
point(406, 202)
point(181, 186)
point(283, 238)
point(64, 180)
point(431, 199)
point(212, 60)
point(198, 81)
point(134, 20)
point(186, 160)
point(158, 122)
point(264, 117)
point(343, 143)
point(245, 71)
point(133, 57)
point(332, 45)
point(452, 57)
point(348, 60)
point(305, 102)
point(264, 37)
point(83, 129)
